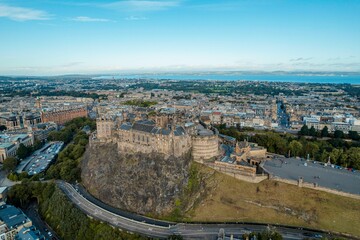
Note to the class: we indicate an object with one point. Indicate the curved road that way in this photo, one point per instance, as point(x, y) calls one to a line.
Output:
point(188, 231)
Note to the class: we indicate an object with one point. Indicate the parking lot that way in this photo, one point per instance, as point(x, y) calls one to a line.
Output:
point(314, 172)
point(42, 158)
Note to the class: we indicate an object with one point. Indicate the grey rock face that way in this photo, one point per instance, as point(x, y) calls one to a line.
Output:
point(141, 183)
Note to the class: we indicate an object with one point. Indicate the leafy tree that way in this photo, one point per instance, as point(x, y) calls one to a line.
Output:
point(311, 149)
point(269, 235)
point(295, 147)
point(338, 134)
point(335, 155)
point(304, 131)
point(175, 237)
point(23, 151)
point(354, 135)
point(312, 131)
point(325, 132)
point(68, 221)
point(10, 164)
point(37, 145)
point(354, 157)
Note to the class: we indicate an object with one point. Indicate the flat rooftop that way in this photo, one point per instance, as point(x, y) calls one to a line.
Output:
point(12, 216)
point(315, 172)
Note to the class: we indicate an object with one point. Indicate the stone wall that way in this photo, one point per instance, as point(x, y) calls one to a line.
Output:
point(257, 153)
point(311, 186)
point(235, 168)
point(104, 128)
point(205, 147)
point(135, 141)
point(238, 174)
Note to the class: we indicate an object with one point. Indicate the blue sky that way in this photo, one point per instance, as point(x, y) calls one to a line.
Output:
point(42, 37)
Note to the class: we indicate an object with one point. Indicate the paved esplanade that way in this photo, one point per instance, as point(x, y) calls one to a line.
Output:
point(325, 176)
point(188, 231)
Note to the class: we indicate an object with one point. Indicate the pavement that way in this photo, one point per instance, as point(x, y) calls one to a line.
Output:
point(162, 231)
point(314, 172)
point(4, 181)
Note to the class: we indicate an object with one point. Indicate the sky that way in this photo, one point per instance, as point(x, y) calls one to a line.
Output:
point(45, 37)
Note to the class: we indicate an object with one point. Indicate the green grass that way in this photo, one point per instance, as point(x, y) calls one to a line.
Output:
point(275, 202)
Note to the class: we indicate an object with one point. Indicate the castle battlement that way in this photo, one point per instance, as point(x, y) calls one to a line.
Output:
point(164, 137)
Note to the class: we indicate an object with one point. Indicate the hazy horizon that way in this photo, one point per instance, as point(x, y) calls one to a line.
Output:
point(87, 37)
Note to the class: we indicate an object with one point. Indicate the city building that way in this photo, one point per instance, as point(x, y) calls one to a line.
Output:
point(60, 117)
point(9, 143)
point(12, 221)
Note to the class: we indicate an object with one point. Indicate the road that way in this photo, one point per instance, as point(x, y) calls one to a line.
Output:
point(32, 212)
point(187, 230)
point(283, 117)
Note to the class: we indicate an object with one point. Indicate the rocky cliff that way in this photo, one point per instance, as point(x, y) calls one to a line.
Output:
point(141, 183)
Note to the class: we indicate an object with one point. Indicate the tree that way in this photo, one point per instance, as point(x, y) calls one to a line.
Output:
point(311, 149)
point(2, 128)
point(338, 134)
point(304, 131)
point(37, 145)
point(23, 151)
point(325, 132)
point(269, 234)
point(295, 147)
point(354, 157)
point(312, 131)
point(175, 237)
point(335, 155)
point(354, 135)
point(10, 164)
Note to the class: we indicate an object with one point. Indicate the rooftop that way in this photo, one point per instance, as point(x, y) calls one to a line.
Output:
point(12, 216)
point(29, 234)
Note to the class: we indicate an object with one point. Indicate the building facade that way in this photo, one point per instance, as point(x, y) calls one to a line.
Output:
point(60, 117)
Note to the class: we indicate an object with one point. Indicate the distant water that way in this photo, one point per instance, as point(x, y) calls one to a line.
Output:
point(352, 79)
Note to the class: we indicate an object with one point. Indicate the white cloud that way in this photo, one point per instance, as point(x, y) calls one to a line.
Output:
point(142, 5)
point(22, 14)
point(89, 19)
point(135, 18)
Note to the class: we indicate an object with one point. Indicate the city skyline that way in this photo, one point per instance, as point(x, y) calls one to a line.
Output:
point(43, 37)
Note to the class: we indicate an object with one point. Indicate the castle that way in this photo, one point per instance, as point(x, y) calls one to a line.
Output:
point(162, 134)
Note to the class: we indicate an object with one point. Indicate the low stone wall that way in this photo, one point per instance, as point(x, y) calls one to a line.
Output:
point(238, 174)
point(311, 186)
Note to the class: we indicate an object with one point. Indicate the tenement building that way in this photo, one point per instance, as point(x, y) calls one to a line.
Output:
point(62, 116)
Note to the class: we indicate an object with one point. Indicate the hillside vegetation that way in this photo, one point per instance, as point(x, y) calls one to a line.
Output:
point(275, 202)
point(68, 221)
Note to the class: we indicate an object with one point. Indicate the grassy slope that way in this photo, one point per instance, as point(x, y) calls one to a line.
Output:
point(235, 200)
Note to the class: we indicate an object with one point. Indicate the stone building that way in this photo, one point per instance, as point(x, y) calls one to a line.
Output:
point(144, 136)
point(9, 143)
point(163, 135)
point(246, 151)
point(205, 144)
point(60, 117)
